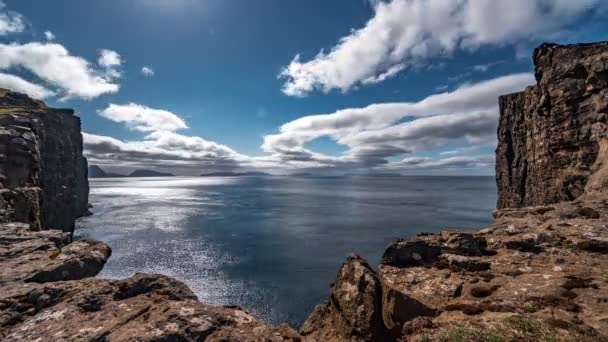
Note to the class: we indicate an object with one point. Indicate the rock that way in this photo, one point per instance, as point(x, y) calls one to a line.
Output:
point(43, 178)
point(46, 256)
point(142, 308)
point(354, 311)
point(550, 134)
point(46, 293)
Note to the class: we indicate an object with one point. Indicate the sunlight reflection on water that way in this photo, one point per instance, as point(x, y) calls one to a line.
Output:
point(270, 245)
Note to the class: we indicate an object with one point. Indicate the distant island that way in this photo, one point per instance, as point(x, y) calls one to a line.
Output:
point(149, 173)
point(236, 174)
point(97, 172)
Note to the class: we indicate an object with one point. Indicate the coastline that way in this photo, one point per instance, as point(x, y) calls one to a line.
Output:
point(537, 273)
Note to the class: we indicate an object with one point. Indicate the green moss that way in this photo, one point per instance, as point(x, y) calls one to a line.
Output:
point(461, 334)
point(514, 329)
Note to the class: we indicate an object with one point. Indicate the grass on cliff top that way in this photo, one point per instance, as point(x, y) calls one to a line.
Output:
point(512, 329)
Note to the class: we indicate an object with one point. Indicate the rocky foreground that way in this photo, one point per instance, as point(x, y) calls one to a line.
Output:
point(537, 274)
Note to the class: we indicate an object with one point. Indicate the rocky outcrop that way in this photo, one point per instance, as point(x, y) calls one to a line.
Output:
point(549, 136)
point(43, 174)
point(538, 273)
point(354, 310)
point(46, 287)
point(46, 293)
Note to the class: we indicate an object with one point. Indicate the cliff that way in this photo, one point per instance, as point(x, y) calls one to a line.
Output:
point(549, 136)
point(46, 287)
point(43, 174)
point(538, 273)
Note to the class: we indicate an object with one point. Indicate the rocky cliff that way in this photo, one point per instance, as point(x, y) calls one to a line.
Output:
point(549, 135)
point(537, 274)
point(43, 174)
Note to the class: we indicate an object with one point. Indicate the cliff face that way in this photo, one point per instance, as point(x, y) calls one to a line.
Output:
point(536, 274)
point(43, 174)
point(549, 136)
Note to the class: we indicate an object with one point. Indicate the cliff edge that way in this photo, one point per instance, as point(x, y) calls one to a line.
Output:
point(537, 274)
point(43, 173)
point(550, 135)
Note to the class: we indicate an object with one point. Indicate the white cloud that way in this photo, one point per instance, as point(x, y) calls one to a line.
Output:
point(49, 36)
point(386, 136)
point(147, 71)
point(481, 162)
point(405, 32)
point(375, 133)
point(109, 58)
point(18, 84)
point(10, 22)
point(142, 118)
point(52, 63)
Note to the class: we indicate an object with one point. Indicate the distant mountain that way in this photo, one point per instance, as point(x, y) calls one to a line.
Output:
point(149, 173)
point(234, 174)
point(97, 172)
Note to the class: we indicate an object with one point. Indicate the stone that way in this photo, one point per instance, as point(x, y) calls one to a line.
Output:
point(354, 311)
point(538, 161)
point(44, 173)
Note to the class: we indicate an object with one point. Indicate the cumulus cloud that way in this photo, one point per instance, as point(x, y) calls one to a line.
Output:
point(49, 36)
point(168, 150)
point(161, 147)
point(377, 133)
point(18, 84)
point(109, 58)
point(384, 136)
point(404, 32)
point(52, 63)
point(10, 22)
point(142, 118)
point(147, 71)
point(164, 148)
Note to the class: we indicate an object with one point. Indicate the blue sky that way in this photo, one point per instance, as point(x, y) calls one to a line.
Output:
point(227, 91)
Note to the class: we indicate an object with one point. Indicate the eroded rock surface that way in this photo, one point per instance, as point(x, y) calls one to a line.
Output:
point(549, 136)
point(539, 272)
point(43, 174)
point(354, 310)
point(46, 294)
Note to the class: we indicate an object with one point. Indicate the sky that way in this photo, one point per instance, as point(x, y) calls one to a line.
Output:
point(286, 86)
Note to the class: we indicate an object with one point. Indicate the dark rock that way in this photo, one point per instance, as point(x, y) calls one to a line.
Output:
point(149, 173)
point(550, 135)
point(43, 172)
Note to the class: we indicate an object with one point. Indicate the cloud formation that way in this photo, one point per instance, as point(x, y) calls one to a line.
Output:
point(18, 84)
point(49, 36)
point(147, 71)
point(52, 63)
point(406, 32)
point(161, 147)
point(376, 134)
point(142, 118)
point(10, 22)
point(109, 58)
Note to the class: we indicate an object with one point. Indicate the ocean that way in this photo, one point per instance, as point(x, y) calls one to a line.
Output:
point(271, 245)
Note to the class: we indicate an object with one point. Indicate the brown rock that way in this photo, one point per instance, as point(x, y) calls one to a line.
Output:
point(354, 311)
point(549, 135)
